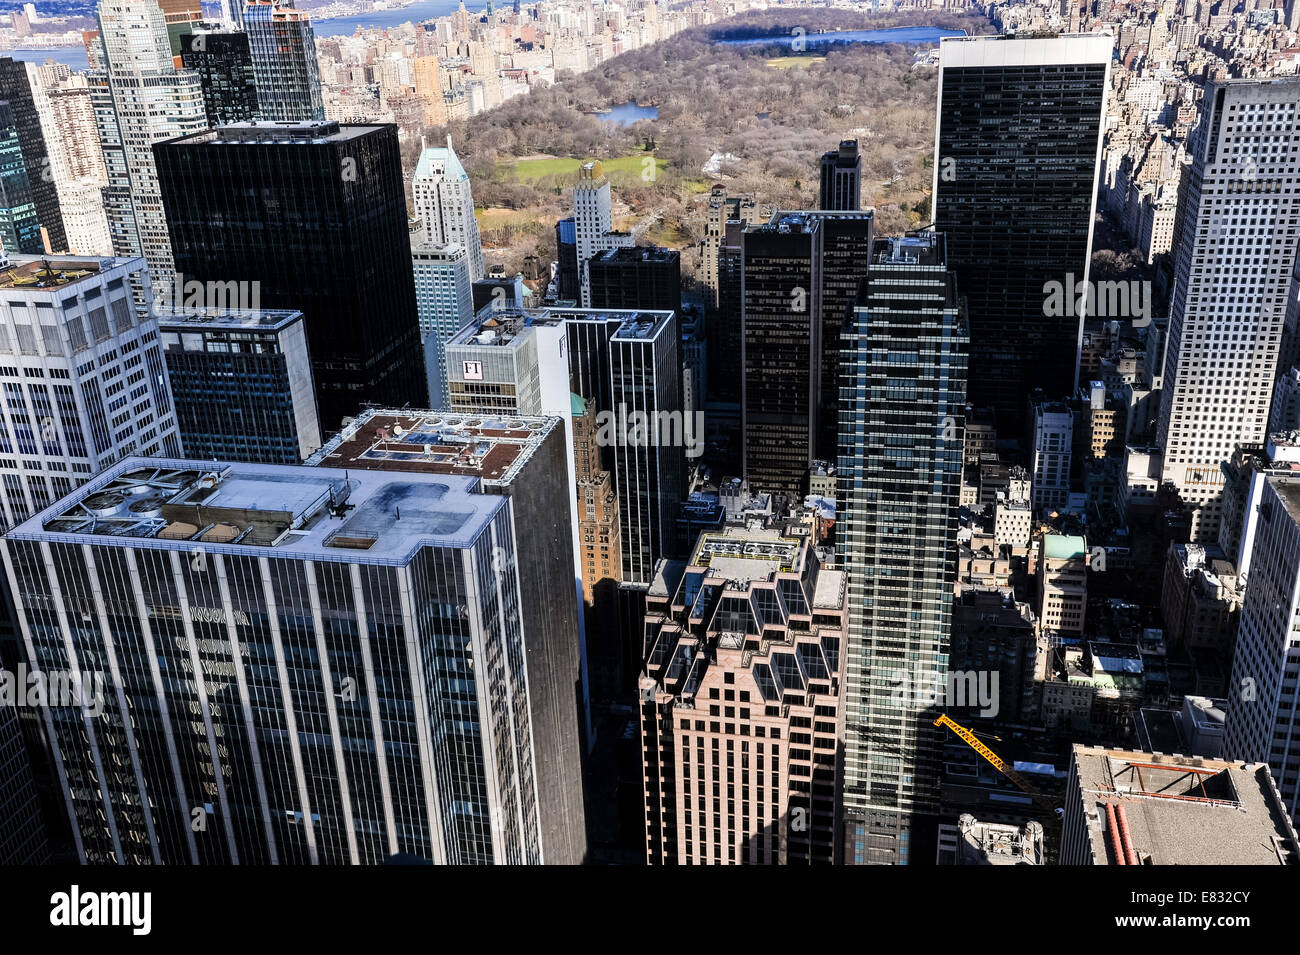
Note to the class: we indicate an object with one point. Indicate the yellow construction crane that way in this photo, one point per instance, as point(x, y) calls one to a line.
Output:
point(1003, 766)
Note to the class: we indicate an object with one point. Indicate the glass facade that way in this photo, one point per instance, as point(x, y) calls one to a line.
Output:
point(1016, 166)
point(224, 65)
point(903, 393)
point(315, 216)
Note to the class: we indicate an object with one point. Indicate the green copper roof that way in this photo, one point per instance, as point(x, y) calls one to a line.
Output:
point(577, 406)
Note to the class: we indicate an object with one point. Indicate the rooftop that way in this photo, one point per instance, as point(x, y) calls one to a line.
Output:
point(441, 162)
point(1063, 547)
point(434, 442)
point(502, 327)
point(227, 319)
point(282, 132)
point(638, 253)
point(273, 510)
point(921, 249)
point(51, 271)
point(1185, 810)
point(742, 554)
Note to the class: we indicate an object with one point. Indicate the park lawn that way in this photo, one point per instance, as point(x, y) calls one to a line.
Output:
point(530, 170)
point(794, 62)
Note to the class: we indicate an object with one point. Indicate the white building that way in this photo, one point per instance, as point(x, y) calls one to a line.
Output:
point(1263, 721)
point(594, 223)
point(1233, 263)
point(440, 191)
point(82, 374)
point(140, 99)
point(444, 298)
point(1053, 437)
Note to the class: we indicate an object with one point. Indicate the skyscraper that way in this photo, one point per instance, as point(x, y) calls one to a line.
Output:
point(22, 838)
point(1015, 181)
point(781, 350)
point(83, 378)
point(593, 223)
point(1234, 248)
point(141, 99)
point(846, 248)
point(1263, 723)
point(15, 88)
point(224, 65)
point(636, 277)
point(443, 201)
point(283, 49)
point(725, 329)
point(301, 665)
point(242, 382)
point(525, 461)
point(76, 162)
point(20, 229)
point(445, 302)
point(530, 362)
point(315, 215)
point(723, 209)
point(902, 387)
point(841, 178)
point(742, 708)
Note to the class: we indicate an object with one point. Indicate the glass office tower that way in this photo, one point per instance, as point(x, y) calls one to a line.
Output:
point(1017, 152)
point(311, 216)
point(903, 393)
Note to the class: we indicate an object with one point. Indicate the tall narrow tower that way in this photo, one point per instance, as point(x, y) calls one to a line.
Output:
point(444, 203)
point(903, 394)
point(1234, 247)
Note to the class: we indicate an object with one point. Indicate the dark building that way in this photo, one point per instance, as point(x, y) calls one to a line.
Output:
point(724, 331)
point(18, 92)
point(498, 291)
point(992, 633)
point(225, 67)
point(841, 188)
point(903, 383)
point(316, 214)
point(636, 277)
point(781, 350)
point(20, 229)
point(1015, 185)
point(568, 282)
point(242, 384)
point(846, 250)
point(22, 834)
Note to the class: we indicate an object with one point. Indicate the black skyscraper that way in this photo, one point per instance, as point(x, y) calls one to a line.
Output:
point(15, 88)
point(225, 67)
point(315, 213)
point(846, 250)
point(637, 277)
point(842, 178)
point(781, 340)
point(1014, 191)
point(567, 281)
point(724, 329)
